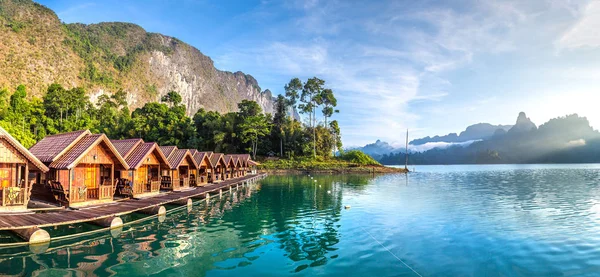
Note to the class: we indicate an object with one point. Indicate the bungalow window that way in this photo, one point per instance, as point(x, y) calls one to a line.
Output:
point(5, 175)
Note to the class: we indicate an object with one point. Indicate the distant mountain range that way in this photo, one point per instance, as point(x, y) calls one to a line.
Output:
point(474, 132)
point(568, 139)
point(471, 134)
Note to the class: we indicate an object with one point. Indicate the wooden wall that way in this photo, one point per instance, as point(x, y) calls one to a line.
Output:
point(9, 154)
point(102, 156)
point(153, 160)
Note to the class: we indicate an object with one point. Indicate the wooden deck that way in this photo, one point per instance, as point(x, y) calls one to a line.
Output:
point(24, 221)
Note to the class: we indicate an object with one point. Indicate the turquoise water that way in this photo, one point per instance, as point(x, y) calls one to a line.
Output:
point(501, 220)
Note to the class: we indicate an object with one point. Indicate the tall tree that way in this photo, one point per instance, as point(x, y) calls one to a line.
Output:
point(311, 97)
point(337, 138)
point(292, 91)
point(279, 120)
point(329, 103)
point(253, 128)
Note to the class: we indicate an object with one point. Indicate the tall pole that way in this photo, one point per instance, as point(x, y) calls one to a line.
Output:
point(406, 152)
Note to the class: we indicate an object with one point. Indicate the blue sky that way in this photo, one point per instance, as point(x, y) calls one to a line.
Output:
point(431, 66)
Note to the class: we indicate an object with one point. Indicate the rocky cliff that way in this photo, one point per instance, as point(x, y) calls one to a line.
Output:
point(36, 49)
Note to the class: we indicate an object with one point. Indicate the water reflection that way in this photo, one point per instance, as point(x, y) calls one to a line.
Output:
point(298, 215)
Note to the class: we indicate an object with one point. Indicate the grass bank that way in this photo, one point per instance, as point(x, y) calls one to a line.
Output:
point(349, 163)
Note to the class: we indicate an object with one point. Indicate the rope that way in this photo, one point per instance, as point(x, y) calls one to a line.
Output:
point(389, 251)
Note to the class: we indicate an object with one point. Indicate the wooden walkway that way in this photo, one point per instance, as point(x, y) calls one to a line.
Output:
point(92, 213)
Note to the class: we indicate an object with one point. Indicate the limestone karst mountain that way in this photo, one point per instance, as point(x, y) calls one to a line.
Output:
point(36, 49)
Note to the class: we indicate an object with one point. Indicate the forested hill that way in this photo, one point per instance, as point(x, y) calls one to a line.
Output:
point(568, 139)
point(36, 50)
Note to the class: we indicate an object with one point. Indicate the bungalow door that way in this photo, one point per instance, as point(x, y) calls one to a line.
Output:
point(90, 181)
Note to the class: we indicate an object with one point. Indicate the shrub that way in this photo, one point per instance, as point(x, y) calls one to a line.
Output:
point(358, 157)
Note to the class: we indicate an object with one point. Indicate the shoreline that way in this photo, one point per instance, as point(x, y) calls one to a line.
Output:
point(340, 170)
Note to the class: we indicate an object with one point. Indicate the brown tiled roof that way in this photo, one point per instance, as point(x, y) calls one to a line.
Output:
point(216, 158)
point(51, 147)
point(244, 158)
point(251, 162)
point(177, 157)
point(229, 160)
point(168, 150)
point(208, 153)
point(200, 156)
point(137, 156)
point(71, 157)
point(125, 146)
point(21, 149)
point(193, 152)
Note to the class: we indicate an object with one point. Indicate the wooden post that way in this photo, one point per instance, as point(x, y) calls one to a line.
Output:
point(33, 235)
point(156, 210)
point(111, 222)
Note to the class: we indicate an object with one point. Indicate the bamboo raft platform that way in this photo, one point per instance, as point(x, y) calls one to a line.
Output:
point(31, 222)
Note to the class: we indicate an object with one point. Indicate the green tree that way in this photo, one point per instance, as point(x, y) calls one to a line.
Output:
point(310, 98)
point(280, 119)
point(172, 98)
point(292, 91)
point(253, 128)
point(337, 137)
point(329, 103)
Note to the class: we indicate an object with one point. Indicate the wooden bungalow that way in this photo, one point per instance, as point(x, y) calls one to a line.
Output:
point(19, 170)
point(145, 161)
point(253, 166)
point(244, 159)
point(82, 167)
point(204, 166)
point(183, 168)
point(230, 163)
point(219, 167)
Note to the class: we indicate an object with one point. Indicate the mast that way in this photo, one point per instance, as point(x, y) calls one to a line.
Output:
point(406, 152)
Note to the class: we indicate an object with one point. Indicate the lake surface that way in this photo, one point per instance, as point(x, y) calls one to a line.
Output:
point(500, 220)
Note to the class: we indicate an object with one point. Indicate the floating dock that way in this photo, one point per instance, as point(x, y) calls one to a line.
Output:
point(27, 225)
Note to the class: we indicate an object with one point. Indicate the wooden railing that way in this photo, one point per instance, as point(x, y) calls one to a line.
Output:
point(154, 186)
point(14, 196)
point(92, 193)
point(139, 188)
point(106, 192)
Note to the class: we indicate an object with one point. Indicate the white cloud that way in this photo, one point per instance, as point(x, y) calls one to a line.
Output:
point(383, 57)
point(439, 145)
point(585, 32)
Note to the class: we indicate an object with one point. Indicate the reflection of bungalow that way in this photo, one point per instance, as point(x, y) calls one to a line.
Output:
point(244, 159)
point(82, 167)
point(183, 169)
point(218, 167)
point(204, 165)
point(145, 160)
point(16, 165)
point(230, 162)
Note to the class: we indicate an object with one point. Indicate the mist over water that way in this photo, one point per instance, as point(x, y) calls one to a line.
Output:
point(494, 220)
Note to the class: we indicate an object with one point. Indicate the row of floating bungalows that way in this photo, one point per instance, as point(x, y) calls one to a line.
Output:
point(80, 168)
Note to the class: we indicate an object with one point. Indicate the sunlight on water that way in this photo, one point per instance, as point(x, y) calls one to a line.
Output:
point(516, 220)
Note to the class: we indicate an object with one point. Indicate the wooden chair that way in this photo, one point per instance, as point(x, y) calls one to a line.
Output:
point(59, 192)
point(124, 188)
